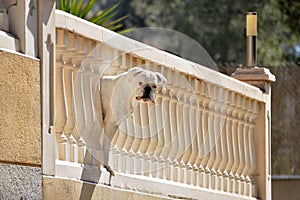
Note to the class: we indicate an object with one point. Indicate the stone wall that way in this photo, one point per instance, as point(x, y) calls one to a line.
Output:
point(64, 188)
point(285, 187)
point(20, 126)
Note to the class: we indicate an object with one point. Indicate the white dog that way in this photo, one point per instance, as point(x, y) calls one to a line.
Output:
point(119, 96)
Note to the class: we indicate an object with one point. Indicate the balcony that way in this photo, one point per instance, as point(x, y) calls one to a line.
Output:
point(206, 137)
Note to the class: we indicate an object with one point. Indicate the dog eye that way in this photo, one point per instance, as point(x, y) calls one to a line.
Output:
point(140, 83)
point(154, 86)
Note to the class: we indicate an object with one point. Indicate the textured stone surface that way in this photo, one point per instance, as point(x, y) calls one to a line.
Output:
point(284, 187)
point(20, 182)
point(20, 109)
point(63, 188)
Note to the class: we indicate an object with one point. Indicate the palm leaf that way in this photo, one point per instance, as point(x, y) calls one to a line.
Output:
point(87, 9)
point(79, 8)
point(102, 18)
point(105, 13)
point(116, 21)
point(116, 27)
point(74, 6)
point(125, 31)
point(62, 5)
point(68, 5)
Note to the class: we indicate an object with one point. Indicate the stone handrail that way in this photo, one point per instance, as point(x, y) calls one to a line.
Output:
point(200, 138)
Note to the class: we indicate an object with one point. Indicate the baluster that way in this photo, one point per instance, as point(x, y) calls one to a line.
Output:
point(192, 172)
point(148, 120)
point(91, 139)
point(254, 112)
point(233, 177)
point(159, 163)
point(240, 135)
point(157, 159)
point(150, 128)
point(127, 151)
point(209, 170)
point(217, 134)
point(245, 184)
point(233, 174)
point(76, 61)
point(124, 59)
point(185, 164)
point(174, 141)
point(154, 145)
point(180, 170)
point(144, 140)
point(135, 154)
point(224, 145)
point(164, 155)
point(228, 140)
point(176, 124)
point(155, 129)
point(70, 122)
point(68, 79)
point(198, 140)
point(61, 113)
point(96, 117)
point(88, 46)
point(120, 150)
point(205, 150)
point(193, 131)
point(217, 177)
point(80, 110)
point(144, 136)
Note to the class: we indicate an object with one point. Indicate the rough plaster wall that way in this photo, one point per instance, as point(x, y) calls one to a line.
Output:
point(20, 127)
point(20, 109)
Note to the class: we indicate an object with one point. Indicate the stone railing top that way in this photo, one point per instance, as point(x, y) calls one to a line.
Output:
point(122, 43)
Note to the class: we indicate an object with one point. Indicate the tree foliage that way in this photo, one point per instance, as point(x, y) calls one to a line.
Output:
point(219, 25)
point(105, 18)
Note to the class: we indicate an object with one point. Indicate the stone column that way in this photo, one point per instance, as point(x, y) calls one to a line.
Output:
point(46, 46)
point(261, 78)
point(256, 76)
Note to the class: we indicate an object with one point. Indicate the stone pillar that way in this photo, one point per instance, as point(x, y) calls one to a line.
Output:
point(22, 22)
point(46, 29)
point(261, 78)
point(256, 76)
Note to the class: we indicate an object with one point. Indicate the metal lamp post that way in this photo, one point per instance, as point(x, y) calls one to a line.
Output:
point(251, 33)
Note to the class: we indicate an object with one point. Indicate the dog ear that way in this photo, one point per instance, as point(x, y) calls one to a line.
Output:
point(133, 72)
point(161, 78)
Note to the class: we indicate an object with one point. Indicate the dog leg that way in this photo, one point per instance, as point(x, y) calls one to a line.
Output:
point(109, 132)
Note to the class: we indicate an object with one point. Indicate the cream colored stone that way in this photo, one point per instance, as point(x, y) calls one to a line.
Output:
point(63, 188)
point(8, 41)
point(91, 31)
point(197, 106)
point(256, 76)
point(20, 105)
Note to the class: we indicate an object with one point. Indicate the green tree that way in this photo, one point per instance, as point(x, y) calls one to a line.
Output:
point(219, 26)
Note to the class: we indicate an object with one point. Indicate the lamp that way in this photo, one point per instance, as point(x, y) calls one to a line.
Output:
point(251, 33)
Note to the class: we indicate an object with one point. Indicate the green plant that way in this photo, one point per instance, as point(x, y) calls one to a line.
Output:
point(100, 17)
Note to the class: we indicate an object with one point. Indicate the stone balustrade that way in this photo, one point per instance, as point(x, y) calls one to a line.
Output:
point(199, 138)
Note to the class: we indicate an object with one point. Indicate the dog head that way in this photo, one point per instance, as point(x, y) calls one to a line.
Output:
point(146, 83)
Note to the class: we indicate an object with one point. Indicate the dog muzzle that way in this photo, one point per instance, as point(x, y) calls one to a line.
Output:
point(147, 95)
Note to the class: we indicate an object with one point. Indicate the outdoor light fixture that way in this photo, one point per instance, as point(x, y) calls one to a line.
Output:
point(251, 33)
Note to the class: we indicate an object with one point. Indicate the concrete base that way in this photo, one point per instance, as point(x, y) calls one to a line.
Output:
point(20, 182)
point(64, 188)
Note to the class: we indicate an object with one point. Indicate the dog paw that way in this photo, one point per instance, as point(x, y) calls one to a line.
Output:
point(110, 170)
